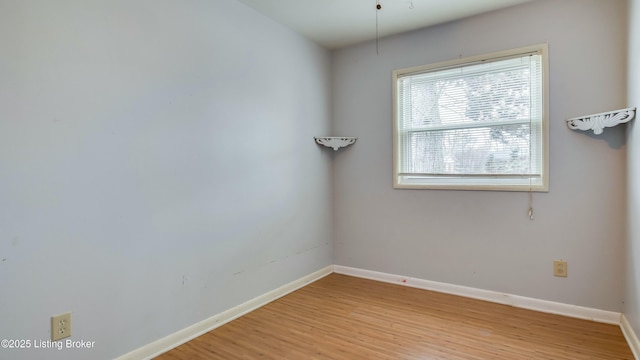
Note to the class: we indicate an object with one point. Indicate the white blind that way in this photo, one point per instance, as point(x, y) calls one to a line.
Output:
point(473, 120)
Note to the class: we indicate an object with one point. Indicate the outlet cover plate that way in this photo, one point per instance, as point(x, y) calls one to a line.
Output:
point(60, 326)
point(560, 268)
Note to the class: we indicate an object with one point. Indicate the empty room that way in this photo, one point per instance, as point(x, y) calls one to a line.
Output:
point(296, 179)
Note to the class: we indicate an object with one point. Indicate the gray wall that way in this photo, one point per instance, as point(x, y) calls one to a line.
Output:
point(484, 239)
point(632, 290)
point(157, 166)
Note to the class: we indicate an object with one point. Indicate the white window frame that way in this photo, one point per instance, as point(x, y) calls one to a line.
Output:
point(488, 182)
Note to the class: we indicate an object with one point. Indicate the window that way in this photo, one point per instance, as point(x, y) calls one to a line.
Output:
point(473, 124)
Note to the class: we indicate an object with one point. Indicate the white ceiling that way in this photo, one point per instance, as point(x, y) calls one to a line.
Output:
point(338, 23)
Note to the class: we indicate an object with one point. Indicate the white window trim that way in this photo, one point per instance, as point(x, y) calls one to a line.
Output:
point(472, 183)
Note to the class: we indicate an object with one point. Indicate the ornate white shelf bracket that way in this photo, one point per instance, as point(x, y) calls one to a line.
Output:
point(597, 122)
point(335, 142)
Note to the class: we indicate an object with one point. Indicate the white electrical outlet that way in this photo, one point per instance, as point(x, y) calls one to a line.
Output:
point(60, 326)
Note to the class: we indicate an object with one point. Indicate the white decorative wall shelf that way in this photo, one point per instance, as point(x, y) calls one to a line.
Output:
point(336, 142)
point(597, 122)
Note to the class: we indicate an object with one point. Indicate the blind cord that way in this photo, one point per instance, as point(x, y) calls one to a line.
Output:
point(530, 204)
point(530, 155)
point(378, 7)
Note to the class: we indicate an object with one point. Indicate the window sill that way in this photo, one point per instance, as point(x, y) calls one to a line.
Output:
point(480, 184)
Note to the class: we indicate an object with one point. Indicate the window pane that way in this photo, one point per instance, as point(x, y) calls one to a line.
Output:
point(500, 94)
point(495, 150)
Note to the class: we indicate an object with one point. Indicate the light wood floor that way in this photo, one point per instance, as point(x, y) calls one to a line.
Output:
point(343, 317)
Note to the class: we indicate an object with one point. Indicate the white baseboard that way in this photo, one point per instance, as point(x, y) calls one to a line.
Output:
point(631, 336)
point(545, 306)
point(180, 337)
